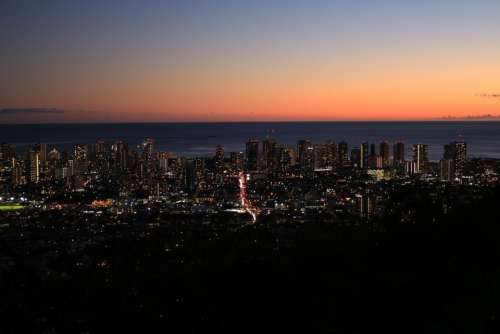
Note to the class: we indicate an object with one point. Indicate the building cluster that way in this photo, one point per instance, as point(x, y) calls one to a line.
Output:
point(41, 164)
point(270, 156)
point(296, 181)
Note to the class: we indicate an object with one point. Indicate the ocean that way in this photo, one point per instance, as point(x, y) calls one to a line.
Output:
point(200, 139)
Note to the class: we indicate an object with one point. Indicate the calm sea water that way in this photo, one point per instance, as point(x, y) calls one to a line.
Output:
point(200, 139)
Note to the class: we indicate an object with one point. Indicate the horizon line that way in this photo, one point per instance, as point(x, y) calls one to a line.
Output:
point(263, 121)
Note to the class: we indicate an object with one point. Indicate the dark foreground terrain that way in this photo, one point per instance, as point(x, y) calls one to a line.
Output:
point(417, 270)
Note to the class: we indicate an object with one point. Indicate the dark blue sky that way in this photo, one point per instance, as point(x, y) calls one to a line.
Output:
point(97, 55)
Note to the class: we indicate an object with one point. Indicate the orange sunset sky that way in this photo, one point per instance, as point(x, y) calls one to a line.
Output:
point(154, 61)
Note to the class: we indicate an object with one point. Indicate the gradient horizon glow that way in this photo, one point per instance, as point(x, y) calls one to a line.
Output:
point(148, 61)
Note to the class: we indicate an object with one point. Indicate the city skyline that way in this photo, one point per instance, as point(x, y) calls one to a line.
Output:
point(176, 61)
point(259, 155)
point(235, 166)
point(166, 236)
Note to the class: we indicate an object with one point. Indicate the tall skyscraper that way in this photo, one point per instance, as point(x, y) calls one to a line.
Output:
point(343, 153)
point(410, 167)
point(399, 152)
point(446, 170)
point(163, 161)
point(356, 156)
point(80, 153)
point(121, 156)
point(80, 159)
point(269, 157)
point(373, 150)
point(7, 152)
point(219, 153)
point(365, 205)
point(363, 155)
point(252, 155)
point(461, 156)
point(54, 155)
point(147, 164)
point(18, 177)
point(42, 151)
point(305, 151)
point(363, 162)
point(199, 171)
point(375, 162)
point(34, 166)
point(147, 149)
point(91, 152)
point(384, 152)
point(456, 151)
point(331, 154)
point(320, 156)
point(287, 158)
point(189, 175)
point(237, 159)
point(101, 149)
point(420, 157)
point(219, 158)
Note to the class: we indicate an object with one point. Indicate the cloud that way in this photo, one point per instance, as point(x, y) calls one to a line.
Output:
point(31, 111)
point(490, 96)
point(472, 117)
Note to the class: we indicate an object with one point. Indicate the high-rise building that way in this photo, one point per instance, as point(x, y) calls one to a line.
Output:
point(34, 166)
point(447, 170)
point(373, 150)
point(147, 149)
point(53, 162)
point(305, 152)
point(219, 158)
point(410, 167)
point(80, 159)
point(121, 156)
point(356, 156)
point(71, 168)
point(363, 155)
point(384, 152)
point(163, 161)
point(343, 153)
point(399, 152)
point(449, 151)
point(420, 157)
point(80, 153)
point(219, 153)
point(456, 151)
point(375, 162)
point(42, 150)
point(62, 172)
point(101, 149)
point(237, 159)
point(269, 157)
point(189, 175)
point(147, 164)
point(7, 152)
point(365, 205)
point(461, 156)
point(320, 156)
point(252, 155)
point(287, 158)
point(331, 154)
point(54, 155)
point(18, 177)
point(91, 152)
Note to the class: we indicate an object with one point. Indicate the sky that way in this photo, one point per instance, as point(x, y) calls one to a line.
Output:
point(272, 60)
